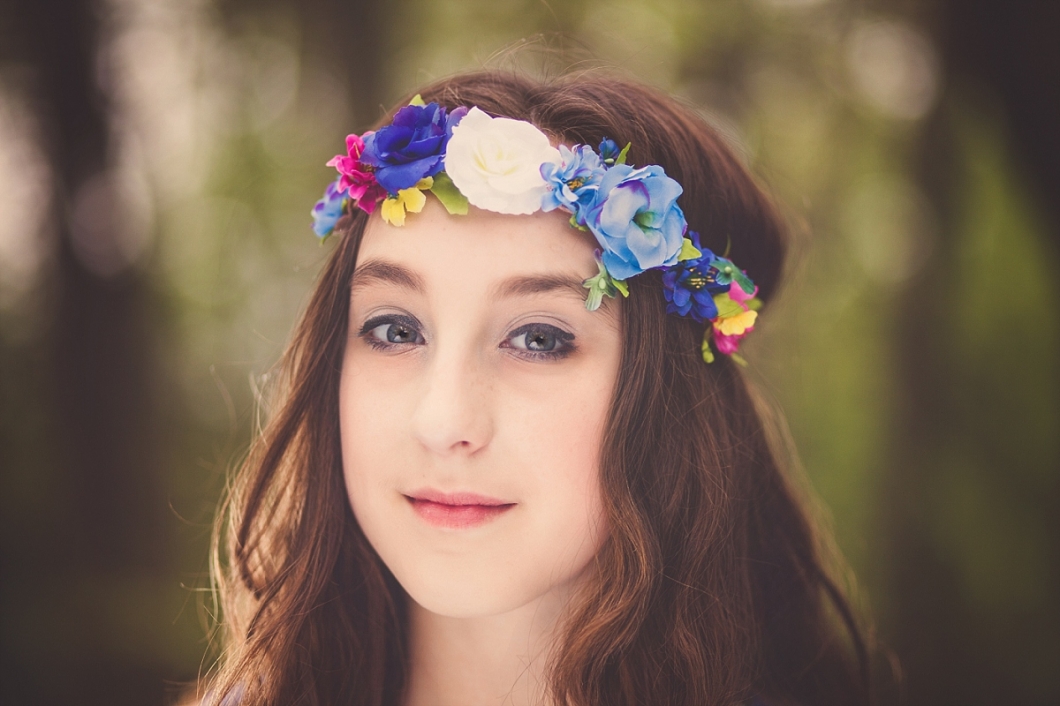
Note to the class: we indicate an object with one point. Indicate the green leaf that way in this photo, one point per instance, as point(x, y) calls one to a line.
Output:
point(602, 285)
point(743, 280)
point(574, 223)
point(417, 100)
point(621, 159)
point(444, 188)
point(688, 251)
point(708, 355)
point(595, 298)
point(726, 306)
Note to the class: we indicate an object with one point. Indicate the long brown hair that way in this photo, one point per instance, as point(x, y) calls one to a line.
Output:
point(710, 588)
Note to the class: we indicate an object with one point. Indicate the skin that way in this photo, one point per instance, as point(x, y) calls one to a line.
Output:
point(459, 401)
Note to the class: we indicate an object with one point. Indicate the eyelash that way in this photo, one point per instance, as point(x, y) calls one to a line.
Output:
point(563, 346)
point(376, 322)
point(564, 342)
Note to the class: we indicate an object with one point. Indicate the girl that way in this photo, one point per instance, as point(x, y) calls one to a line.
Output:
point(514, 459)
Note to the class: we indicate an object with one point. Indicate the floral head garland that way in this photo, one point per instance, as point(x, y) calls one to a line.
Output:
point(509, 166)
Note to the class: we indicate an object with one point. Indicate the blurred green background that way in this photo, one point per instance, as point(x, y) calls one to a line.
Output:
point(158, 159)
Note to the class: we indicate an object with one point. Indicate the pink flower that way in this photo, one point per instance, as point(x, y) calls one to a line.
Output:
point(737, 294)
point(736, 318)
point(728, 344)
point(358, 179)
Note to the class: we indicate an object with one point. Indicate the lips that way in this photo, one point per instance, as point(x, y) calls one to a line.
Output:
point(456, 510)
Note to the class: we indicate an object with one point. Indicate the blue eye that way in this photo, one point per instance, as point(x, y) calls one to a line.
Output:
point(392, 330)
point(540, 341)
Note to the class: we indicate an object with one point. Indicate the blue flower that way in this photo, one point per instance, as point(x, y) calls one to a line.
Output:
point(411, 147)
point(636, 219)
point(328, 210)
point(573, 182)
point(609, 151)
point(690, 285)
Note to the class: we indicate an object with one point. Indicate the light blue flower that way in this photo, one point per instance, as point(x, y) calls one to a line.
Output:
point(572, 183)
point(329, 209)
point(636, 219)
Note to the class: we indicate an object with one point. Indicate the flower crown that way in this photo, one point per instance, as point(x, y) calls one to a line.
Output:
point(463, 156)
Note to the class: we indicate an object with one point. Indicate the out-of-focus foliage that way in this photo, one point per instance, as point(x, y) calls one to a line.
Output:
point(915, 352)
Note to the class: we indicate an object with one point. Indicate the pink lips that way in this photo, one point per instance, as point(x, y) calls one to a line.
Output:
point(456, 510)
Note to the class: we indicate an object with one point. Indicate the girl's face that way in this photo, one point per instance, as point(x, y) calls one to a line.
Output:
point(475, 388)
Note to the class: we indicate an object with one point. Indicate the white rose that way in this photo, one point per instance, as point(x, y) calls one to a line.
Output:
point(496, 163)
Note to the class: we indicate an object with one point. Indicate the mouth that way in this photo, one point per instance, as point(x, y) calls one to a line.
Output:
point(456, 510)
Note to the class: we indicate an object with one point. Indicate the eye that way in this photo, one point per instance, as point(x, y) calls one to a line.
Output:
point(540, 341)
point(391, 330)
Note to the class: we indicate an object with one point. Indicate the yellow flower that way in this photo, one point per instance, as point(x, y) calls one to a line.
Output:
point(736, 325)
point(734, 317)
point(411, 200)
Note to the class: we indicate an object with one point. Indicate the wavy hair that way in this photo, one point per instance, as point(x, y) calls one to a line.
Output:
point(711, 588)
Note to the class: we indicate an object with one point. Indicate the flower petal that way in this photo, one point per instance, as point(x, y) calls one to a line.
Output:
point(496, 163)
point(393, 211)
point(681, 297)
point(404, 176)
point(413, 199)
point(736, 325)
point(644, 244)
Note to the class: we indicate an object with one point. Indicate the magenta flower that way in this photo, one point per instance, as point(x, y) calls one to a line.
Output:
point(358, 179)
point(727, 344)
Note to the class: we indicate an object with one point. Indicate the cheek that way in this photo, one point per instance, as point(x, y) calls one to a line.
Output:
point(559, 454)
point(372, 422)
point(562, 448)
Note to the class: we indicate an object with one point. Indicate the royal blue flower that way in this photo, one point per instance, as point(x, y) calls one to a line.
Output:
point(328, 210)
point(609, 151)
point(573, 182)
point(636, 219)
point(690, 285)
point(411, 147)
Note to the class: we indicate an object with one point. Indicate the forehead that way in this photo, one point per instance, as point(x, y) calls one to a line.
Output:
point(481, 249)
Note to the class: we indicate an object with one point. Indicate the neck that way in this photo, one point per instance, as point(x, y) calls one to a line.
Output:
point(482, 661)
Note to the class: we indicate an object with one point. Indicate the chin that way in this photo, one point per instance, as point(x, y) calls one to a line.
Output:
point(461, 597)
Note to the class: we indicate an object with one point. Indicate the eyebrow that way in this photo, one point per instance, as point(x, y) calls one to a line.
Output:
point(384, 272)
point(540, 284)
point(381, 271)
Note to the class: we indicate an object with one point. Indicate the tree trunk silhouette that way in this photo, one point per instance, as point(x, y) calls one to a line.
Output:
point(92, 374)
point(951, 651)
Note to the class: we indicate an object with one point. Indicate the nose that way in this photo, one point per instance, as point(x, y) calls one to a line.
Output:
point(453, 414)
